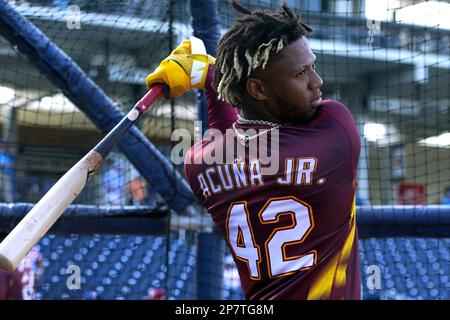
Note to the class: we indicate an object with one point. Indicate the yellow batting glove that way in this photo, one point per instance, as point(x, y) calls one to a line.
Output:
point(184, 69)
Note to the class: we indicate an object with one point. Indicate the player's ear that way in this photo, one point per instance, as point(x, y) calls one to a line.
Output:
point(255, 89)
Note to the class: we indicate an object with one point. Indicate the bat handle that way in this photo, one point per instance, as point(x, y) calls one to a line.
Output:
point(150, 97)
point(116, 134)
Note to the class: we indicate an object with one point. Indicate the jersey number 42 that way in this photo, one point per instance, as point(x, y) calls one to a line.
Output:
point(242, 240)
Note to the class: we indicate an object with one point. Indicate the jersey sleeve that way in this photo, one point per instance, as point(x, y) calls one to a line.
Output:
point(190, 169)
point(343, 115)
point(221, 115)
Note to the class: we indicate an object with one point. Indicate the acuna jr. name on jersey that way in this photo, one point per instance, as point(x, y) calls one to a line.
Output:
point(232, 176)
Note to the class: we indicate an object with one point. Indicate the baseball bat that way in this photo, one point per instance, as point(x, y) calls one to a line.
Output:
point(45, 213)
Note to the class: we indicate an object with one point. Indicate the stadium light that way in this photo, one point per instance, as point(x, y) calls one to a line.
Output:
point(429, 13)
point(6, 94)
point(55, 103)
point(374, 131)
point(380, 10)
point(441, 141)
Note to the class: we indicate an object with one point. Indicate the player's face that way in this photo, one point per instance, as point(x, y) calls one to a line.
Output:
point(292, 85)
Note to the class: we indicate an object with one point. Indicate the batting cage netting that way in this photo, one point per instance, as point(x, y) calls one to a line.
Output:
point(70, 70)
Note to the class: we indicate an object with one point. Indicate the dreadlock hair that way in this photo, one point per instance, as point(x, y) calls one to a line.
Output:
point(250, 44)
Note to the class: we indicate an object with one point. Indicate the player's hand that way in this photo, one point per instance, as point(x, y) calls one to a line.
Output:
point(184, 69)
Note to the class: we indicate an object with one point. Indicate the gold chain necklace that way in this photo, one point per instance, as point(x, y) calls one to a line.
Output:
point(242, 120)
point(246, 138)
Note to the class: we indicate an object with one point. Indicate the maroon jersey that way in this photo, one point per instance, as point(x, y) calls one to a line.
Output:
point(292, 233)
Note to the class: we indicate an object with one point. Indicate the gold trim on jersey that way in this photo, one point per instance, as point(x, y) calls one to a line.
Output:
point(334, 274)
